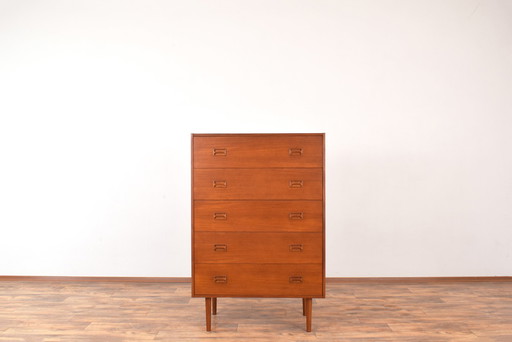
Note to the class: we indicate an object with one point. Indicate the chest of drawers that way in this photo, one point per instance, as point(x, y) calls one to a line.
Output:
point(258, 217)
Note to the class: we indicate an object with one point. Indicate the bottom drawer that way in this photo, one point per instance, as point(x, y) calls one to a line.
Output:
point(258, 280)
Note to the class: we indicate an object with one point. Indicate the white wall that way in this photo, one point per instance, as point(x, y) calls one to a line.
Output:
point(98, 100)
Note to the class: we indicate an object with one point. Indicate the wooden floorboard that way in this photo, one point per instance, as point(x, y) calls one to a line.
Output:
point(115, 311)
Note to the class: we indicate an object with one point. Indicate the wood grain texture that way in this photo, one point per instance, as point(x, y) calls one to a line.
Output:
point(258, 216)
point(258, 184)
point(258, 280)
point(252, 151)
point(70, 311)
point(247, 247)
point(267, 191)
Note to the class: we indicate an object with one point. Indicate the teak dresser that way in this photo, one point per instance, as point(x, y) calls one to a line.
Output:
point(258, 217)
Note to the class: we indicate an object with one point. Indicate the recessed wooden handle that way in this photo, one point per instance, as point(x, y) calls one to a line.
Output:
point(220, 247)
point(296, 247)
point(220, 279)
point(296, 216)
point(296, 280)
point(220, 184)
point(220, 216)
point(295, 183)
point(220, 152)
point(295, 152)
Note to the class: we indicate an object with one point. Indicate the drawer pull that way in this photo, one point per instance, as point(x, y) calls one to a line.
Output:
point(220, 279)
point(221, 247)
point(295, 152)
point(220, 216)
point(296, 280)
point(296, 184)
point(220, 184)
point(296, 216)
point(220, 152)
point(296, 247)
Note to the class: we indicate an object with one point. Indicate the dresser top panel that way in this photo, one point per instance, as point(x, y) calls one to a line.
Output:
point(253, 134)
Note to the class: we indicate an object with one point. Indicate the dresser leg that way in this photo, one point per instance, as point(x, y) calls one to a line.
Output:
point(303, 306)
point(309, 311)
point(208, 304)
point(214, 305)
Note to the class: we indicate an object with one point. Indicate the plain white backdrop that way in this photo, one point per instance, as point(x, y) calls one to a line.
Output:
point(98, 100)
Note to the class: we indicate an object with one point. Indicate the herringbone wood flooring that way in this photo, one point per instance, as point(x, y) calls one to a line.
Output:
point(114, 311)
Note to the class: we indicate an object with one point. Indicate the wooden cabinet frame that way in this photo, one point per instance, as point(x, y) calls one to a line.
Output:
point(258, 217)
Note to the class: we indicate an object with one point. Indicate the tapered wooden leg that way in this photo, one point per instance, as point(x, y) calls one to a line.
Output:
point(208, 304)
point(309, 311)
point(214, 305)
point(303, 306)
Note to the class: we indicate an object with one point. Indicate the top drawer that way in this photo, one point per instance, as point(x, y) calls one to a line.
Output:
point(268, 150)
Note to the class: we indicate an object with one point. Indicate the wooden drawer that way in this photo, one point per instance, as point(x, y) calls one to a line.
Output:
point(270, 184)
point(298, 216)
point(244, 247)
point(258, 280)
point(256, 150)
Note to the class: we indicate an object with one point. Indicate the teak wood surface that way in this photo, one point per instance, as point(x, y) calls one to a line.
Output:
point(92, 311)
point(258, 218)
point(248, 247)
point(257, 150)
point(262, 184)
point(259, 280)
point(255, 216)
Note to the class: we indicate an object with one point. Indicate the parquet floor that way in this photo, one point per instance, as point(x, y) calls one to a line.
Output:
point(36, 311)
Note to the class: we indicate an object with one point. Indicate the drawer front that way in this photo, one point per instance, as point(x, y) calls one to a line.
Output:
point(298, 216)
point(276, 248)
point(255, 151)
point(270, 184)
point(258, 280)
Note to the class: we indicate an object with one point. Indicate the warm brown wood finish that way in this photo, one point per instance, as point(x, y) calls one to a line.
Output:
point(71, 311)
point(258, 217)
point(293, 216)
point(258, 280)
point(214, 306)
point(263, 184)
point(258, 150)
point(308, 303)
point(208, 309)
point(248, 247)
